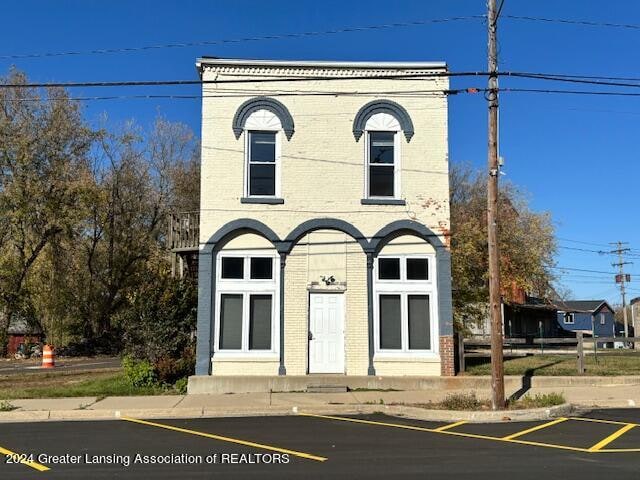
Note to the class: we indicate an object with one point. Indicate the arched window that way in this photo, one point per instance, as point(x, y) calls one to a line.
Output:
point(262, 152)
point(263, 120)
point(382, 157)
point(381, 122)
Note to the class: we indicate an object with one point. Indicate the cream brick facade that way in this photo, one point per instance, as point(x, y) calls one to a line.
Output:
point(322, 176)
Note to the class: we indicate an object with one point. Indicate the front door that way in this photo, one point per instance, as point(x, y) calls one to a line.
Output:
point(326, 333)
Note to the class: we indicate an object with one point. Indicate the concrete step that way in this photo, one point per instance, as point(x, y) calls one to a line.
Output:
point(326, 388)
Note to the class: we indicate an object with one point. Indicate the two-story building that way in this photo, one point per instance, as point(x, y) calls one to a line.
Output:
point(324, 220)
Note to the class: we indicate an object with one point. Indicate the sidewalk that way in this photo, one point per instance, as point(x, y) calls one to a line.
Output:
point(212, 405)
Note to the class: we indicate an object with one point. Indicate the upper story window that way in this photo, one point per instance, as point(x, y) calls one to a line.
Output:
point(568, 318)
point(265, 122)
point(603, 319)
point(382, 156)
point(262, 163)
point(262, 154)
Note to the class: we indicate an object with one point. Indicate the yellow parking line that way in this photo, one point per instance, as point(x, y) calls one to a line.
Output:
point(606, 441)
point(597, 420)
point(535, 429)
point(228, 439)
point(618, 450)
point(28, 463)
point(447, 432)
point(451, 425)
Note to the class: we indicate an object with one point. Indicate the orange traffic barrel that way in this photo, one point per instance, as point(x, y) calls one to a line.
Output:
point(48, 357)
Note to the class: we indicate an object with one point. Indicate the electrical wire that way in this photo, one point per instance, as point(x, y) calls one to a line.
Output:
point(587, 23)
point(307, 78)
point(279, 36)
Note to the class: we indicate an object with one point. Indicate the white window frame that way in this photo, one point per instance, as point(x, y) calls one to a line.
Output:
point(247, 287)
point(262, 120)
point(603, 318)
point(567, 316)
point(383, 122)
point(405, 288)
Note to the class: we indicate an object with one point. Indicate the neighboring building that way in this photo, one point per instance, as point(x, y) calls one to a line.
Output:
point(21, 331)
point(527, 317)
point(585, 316)
point(324, 220)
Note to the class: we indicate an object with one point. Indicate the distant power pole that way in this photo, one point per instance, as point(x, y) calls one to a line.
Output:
point(621, 279)
point(495, 301)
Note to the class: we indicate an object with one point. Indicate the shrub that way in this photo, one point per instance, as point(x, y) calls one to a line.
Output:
point(181, 386)
point(461, 401)
point(541, 400)
point(159, 326)
point(139, 373)
point(6, 406)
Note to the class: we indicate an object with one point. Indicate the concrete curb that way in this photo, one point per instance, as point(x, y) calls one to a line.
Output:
point(525, 415)
point(207, 384)
point(393, 410)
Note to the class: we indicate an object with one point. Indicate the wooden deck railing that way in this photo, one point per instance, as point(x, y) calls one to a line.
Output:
point(184, 231)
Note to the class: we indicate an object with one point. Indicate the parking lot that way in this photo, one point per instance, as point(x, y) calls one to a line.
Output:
point(599, 444)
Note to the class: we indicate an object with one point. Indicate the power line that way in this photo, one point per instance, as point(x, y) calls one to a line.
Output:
point(571, 79)
point(156, 83)
point(600, 252)
point(587, 23)
point(397, 76)
point(583, 242)
point(581, 270)
point(279, 36)
point(570, 92)
point(417, 94)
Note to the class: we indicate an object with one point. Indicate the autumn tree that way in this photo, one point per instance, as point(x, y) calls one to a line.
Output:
point(137, 178)
point(526, 240)
point(44, 146)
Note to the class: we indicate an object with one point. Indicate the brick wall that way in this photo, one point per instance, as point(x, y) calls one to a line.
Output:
point(447, 356)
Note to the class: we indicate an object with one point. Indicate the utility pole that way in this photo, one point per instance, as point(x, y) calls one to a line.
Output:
point(622, 278)
point(495, 301)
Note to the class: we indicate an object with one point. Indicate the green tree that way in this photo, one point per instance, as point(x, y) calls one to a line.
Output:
point(44, 146)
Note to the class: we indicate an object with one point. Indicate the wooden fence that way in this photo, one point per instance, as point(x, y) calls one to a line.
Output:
point(512, 347)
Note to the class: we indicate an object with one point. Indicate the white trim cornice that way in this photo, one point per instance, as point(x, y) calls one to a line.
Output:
point(313, 68)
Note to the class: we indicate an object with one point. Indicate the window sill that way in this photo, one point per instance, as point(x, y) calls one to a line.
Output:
point(426, 357)
point(263, 200)
point(382, 201)
point(245, 357)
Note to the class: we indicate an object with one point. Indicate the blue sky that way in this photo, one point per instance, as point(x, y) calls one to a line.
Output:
point(576, 156)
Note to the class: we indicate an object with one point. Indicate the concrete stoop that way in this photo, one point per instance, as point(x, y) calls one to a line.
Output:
point(199, 384)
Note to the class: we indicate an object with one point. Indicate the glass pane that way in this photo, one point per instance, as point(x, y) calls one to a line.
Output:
point(263, 146)
point(232, 267)
point(260, 322)
point(380, 181)
point(230, 322)
point(381, 147)
point(262, 180)
point(390, 325)
point(417, 269)
point(261, 268)
point(419, 322)
point(389, 268)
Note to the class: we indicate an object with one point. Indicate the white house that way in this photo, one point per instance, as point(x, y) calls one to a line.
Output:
point(324, 221)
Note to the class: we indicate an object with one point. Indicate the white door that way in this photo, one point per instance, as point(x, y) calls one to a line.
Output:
point(326, 333)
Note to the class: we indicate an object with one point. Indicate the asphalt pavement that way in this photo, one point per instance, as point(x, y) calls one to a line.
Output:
point(601, 444)
point(14, 367)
